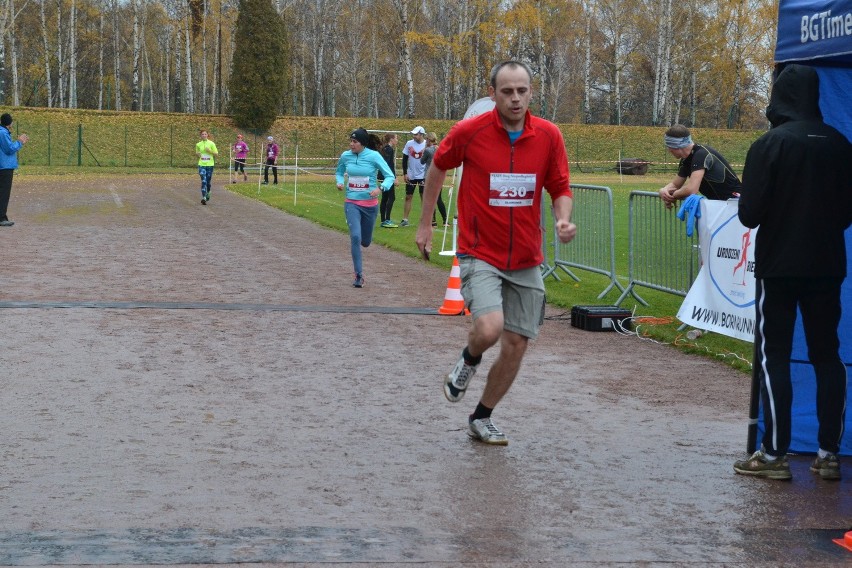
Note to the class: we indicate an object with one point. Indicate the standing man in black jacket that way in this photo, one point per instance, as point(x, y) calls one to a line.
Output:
point(797, 189)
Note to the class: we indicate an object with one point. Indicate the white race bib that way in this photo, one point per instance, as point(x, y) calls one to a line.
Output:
point(359, 183)
point(512, 190)
point(206, 156)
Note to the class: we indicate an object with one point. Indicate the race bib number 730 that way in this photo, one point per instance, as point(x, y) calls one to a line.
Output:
point(512, 190)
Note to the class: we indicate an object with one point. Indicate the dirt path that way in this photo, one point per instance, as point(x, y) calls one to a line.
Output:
point(185, 384)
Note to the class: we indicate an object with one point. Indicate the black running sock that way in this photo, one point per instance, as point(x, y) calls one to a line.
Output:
point(481, 411)
point(470, 359)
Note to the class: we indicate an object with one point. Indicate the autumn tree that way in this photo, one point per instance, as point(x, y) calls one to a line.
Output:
point(259, 76)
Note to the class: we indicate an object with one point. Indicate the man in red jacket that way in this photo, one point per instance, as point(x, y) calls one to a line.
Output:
point(509, 157)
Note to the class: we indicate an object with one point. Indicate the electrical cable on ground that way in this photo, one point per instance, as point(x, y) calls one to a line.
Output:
point(640, 322)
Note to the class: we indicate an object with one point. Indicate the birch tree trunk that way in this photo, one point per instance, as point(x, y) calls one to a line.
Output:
point(167, 70)
point(150, 76)
point(658, 70)
point(72, 57)
point(7, 17)
point(46, 43)
point(587, 66)
point(13, 46)
point(134, 104)
point(60, 60)
point(304, 88)
point(116, 55)
point(332, 104)
point(178, 95)
point(147, 81)
point(542, 59)
point(142, 77)
point(660, 103)
point(476, 79)
point(101, 62)
point(674, 117)
point(617, 72)
point(449, 85)
point(736, 48)
point(621, 41)
point(693, 98)
point(189, 95)
point(204, 90)
point(400, 96)
point(319, 68)
point(665, 89)
point(402, 8)
point(303, 66)
point(453, 64)
point(373, 99)
point(218, 94)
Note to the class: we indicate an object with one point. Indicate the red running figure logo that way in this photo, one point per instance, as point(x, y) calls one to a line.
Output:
point(744, 256)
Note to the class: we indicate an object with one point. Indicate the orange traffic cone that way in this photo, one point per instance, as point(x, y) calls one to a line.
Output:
point(453, 301)
point(846, 541)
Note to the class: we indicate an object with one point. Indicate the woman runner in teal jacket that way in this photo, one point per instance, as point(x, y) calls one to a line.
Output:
point(359, 164)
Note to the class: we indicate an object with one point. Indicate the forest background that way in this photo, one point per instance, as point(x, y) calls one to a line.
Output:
point(616, 62)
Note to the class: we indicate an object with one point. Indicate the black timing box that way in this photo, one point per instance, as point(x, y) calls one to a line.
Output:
point(600, 318)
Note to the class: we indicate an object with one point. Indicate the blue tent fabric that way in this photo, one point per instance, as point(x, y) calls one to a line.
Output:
point(835, 84)
point(831, 55)
point(810, 30)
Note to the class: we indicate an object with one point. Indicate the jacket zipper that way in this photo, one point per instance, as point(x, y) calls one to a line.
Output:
point(511, 209)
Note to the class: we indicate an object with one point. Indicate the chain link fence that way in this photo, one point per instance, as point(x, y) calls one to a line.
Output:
point(111, 143)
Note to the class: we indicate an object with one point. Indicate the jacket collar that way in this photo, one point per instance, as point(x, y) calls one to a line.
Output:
point(529, 130)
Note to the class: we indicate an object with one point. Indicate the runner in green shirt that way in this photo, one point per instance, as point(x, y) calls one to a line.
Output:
point(206, 150)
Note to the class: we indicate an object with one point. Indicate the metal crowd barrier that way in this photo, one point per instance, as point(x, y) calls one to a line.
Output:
point(593, 248)
point(661, 256)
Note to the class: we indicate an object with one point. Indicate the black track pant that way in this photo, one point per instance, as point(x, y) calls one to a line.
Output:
point(386, 205)
point(270, 163)
point(5, 191)
point(818, 299)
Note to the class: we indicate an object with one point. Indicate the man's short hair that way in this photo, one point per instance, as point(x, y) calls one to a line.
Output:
point(511, 64)
point(678, 131)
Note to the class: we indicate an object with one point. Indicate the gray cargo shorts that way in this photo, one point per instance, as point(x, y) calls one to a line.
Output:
point(519, 294)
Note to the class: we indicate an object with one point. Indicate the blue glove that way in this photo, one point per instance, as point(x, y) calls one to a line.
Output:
point(691, 210)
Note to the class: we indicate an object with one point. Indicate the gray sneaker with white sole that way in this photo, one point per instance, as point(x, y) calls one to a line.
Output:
point(485, 431)
point(459, 378)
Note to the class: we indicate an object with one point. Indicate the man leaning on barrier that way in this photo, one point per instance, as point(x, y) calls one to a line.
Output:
point(701, 169)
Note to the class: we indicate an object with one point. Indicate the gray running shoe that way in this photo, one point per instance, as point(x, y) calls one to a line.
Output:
point(759, 466)
point(403, 223)
point(827, 467)
point(456, 382)
point(484, 430)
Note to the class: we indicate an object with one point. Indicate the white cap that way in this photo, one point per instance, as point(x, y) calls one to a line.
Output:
point(270, 138)
point(418, 130)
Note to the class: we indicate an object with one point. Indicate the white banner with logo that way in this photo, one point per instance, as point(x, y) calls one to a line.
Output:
point(722, 297)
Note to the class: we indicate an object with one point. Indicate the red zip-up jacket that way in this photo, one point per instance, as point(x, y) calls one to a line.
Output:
point(499, 222)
